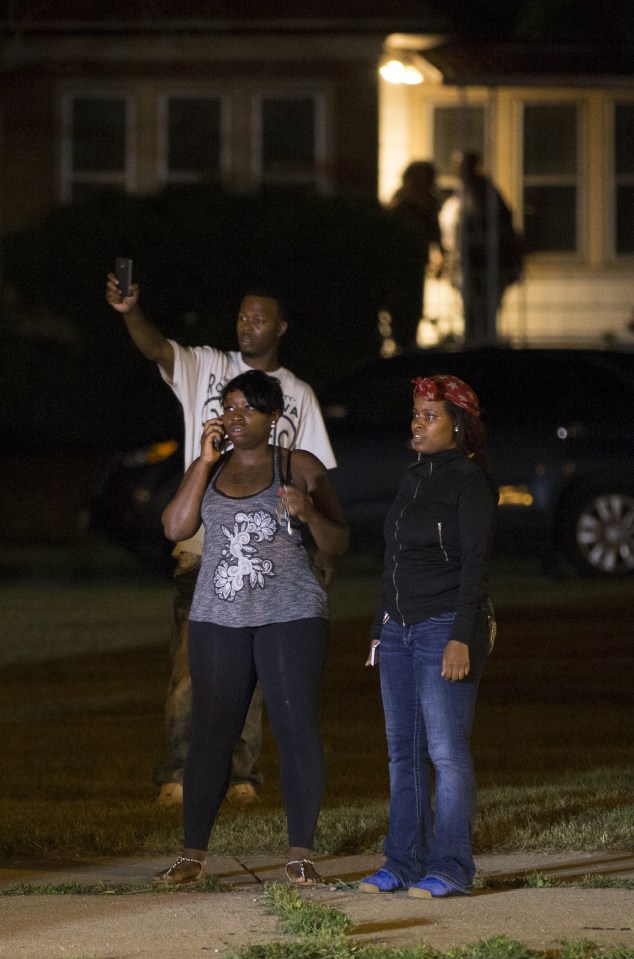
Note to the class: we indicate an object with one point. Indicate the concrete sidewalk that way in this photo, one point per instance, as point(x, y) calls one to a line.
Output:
point(182, 924)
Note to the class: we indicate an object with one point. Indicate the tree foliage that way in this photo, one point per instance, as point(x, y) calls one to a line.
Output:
point(196, 251)
point(564, 21)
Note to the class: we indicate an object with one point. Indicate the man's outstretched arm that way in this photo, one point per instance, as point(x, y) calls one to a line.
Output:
point(146, 336)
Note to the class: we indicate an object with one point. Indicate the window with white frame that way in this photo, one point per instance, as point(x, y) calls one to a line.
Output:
point(550, 163)
point(624, 177)
point(95, 144)
point(289, 141)
point(192, 140)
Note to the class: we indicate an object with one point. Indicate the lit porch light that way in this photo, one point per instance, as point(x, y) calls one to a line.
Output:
point(400, 68)
point(411, 75)
point(392, 70)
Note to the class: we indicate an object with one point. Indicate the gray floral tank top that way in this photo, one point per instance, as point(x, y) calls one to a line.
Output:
point(253, 572)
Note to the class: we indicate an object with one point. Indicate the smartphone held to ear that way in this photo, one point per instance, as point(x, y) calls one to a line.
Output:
point(219, 443)
point(123, 273)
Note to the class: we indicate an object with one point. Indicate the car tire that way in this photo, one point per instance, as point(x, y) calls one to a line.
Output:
point(596, 534)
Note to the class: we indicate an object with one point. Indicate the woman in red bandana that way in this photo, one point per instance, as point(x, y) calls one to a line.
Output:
point(432, 629)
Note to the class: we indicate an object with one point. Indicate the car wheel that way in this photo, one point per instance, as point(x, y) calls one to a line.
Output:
point(598, 533)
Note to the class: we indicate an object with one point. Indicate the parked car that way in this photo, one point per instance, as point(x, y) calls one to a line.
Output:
point(561, 447)
point(131, 496)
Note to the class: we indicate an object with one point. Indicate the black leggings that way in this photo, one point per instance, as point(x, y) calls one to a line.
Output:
point(225, 664)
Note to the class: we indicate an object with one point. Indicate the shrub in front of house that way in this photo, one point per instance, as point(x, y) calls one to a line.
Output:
point(196, 250)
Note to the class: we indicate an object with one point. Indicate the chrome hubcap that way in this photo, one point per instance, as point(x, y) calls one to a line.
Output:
point(605, 533)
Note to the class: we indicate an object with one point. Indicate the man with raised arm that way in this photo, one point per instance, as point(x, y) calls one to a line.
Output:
point(197, 376)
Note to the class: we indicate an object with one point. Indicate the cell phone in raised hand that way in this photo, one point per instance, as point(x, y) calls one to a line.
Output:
point(123, 273)
point(219, 442)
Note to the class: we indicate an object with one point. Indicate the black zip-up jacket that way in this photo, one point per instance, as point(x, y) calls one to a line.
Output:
point(439, 534)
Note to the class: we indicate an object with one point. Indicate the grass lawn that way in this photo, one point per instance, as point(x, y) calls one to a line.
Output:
point(84, 676)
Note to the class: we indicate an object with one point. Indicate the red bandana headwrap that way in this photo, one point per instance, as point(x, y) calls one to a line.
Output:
point(447, 388)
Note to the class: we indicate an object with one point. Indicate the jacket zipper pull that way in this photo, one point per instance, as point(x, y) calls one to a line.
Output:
point(441, 542)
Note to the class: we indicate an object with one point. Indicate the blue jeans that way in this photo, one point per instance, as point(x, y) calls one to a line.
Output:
point(428, 722)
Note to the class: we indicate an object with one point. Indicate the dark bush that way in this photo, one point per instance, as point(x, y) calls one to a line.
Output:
point(195, 251)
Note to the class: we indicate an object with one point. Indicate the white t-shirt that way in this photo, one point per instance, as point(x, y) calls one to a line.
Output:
point(200, 374)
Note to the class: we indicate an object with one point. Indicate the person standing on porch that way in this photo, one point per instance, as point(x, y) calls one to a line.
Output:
point(483, 251)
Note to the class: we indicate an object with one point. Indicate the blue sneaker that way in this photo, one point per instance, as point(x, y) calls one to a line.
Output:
point(381, 881)
point(430, 887)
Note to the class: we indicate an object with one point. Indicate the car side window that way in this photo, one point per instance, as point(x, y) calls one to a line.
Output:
point(369, 402)
point(517, 389)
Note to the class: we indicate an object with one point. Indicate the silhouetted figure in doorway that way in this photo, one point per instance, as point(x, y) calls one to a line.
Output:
point(483, 249)
point(415, 205)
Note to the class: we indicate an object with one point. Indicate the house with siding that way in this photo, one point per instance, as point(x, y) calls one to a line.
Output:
point(554, 127)
point(254, 96)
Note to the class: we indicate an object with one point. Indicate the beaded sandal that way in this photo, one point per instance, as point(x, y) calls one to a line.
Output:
point(307, 877)
point(166, 875)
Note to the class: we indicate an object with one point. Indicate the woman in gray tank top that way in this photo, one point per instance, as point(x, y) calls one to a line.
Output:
point(259, 613)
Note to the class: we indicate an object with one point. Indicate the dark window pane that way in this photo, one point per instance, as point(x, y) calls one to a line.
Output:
point(287, 190)
point(86, 191)
point(550, 140)
point(194, 137)
point(624, 138)
point(625, 219)
point(624, 170)
point(98, 135)
point(456, 129)
point(288, 137)
point(550, 218)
